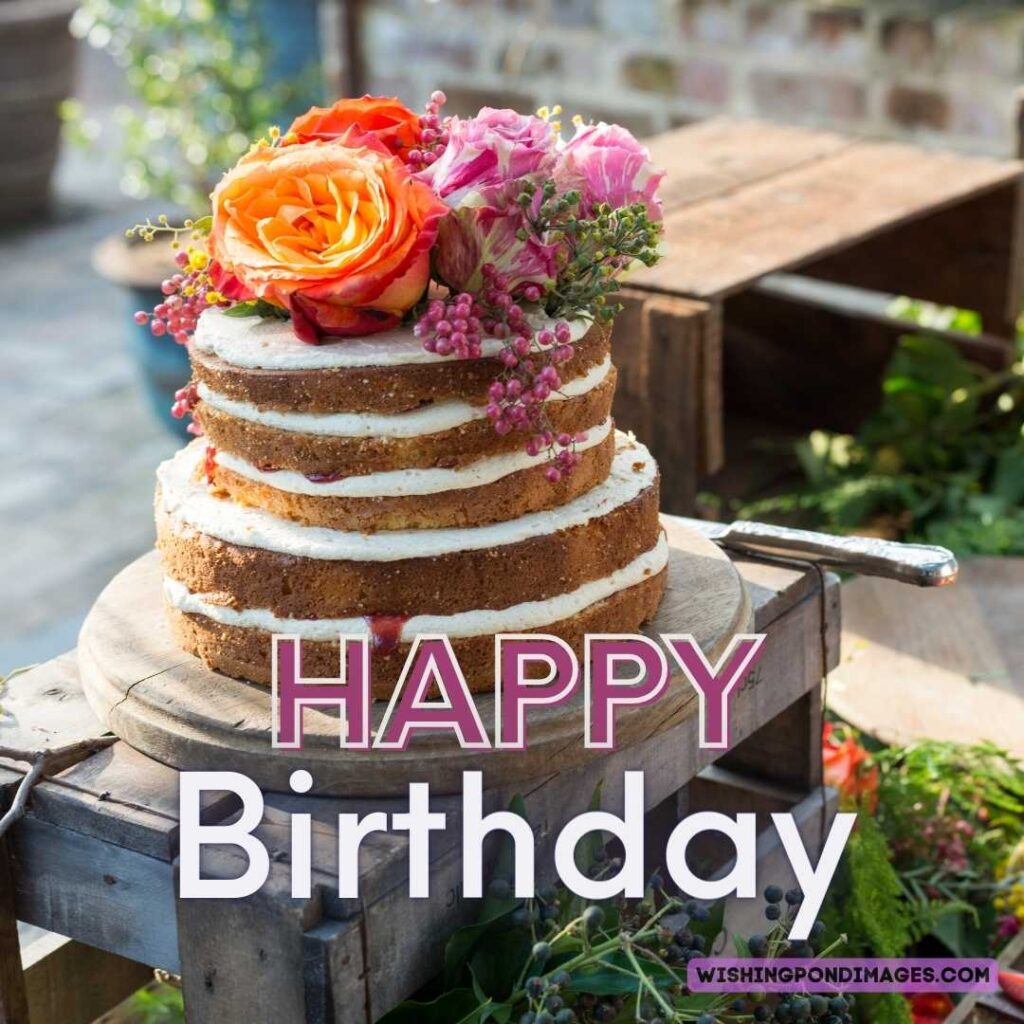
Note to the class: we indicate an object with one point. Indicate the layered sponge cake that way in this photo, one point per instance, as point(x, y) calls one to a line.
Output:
point(359, 487)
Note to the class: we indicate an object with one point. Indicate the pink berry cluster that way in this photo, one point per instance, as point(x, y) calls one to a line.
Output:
point(188, 293)
point(433, 133)
point(530, 357)
point(184, 402)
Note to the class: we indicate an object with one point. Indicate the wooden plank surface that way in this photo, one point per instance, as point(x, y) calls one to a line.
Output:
point(13, 995)
point(69, 982)
point(792, 196)
point(44, 708)
point(945, 663)
point(100, 894)
point(723, 155)
point(243, 959)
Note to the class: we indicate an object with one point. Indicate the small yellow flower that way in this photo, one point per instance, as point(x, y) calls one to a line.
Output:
point(197, 259)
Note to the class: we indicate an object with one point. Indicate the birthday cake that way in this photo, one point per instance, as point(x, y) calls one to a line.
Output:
point(399, 332)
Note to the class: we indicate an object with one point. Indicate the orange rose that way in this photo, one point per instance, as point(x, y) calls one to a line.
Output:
point(337, 233)
point(390, 121)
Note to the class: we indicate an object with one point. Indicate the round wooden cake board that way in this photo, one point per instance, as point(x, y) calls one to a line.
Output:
point(170, 706)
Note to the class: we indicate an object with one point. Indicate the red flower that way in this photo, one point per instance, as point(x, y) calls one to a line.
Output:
point(393, 124)
point(848, 768)
point(930, 1007)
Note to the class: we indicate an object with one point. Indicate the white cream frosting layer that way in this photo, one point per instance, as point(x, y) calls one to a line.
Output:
point(270, 344)
point(403, 482)
point(430, 419)
point(185, 498)
point(518, 617)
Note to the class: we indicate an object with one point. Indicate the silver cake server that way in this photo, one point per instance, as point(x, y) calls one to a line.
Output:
point(924, 565)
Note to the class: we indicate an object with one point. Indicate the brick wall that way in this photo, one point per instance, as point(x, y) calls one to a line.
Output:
point(934, 71)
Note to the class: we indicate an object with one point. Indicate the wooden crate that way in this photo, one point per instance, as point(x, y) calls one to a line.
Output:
point(745, 200)
point(95, 857)
point(669, 357)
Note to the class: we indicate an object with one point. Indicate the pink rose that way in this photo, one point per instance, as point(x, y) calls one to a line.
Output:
point(488, 151)
point(473, 235)
point(607, 164)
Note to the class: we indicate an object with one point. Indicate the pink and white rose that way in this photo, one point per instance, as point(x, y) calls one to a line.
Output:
point(608, 165)
point(488, 151)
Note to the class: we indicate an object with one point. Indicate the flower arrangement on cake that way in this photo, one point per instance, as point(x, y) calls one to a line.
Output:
point(399, 328)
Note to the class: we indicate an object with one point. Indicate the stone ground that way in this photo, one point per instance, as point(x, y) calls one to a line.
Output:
point(78, 446)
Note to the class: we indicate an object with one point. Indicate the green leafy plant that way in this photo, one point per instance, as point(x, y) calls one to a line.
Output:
point(197, 74)
point(156, 1004)
point(942, 459)
point(557, 959)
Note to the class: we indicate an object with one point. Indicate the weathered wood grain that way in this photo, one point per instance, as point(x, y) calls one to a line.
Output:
point(172, 708)
point(948, 665)
point(825, 205)
point(103, 895)
point(244, 959)
point(762, 197)
point(333, 968)
point(45, 709)
point(13, 995)
point(721, 156)
point(668, 353)
point(124, 798)
point(69, 982)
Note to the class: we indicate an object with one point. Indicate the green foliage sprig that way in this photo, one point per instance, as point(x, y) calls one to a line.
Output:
point(942, 460)
point(594, 249)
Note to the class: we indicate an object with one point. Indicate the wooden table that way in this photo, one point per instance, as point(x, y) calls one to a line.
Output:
point(94, 859)
point(711, 325)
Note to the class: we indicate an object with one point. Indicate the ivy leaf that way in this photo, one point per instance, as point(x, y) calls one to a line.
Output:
point(257, 307)
point(497, 963)
point(613, 975)
point(495, 912)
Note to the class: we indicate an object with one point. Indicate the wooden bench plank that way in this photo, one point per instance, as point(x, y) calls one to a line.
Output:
point(961, 645)
point(807, 213)
point(124, 798)
point(722, 155)
point(103, 895)
point(44, 708)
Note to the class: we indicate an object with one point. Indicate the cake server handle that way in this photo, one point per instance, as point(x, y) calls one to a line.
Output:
point(924, 565)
